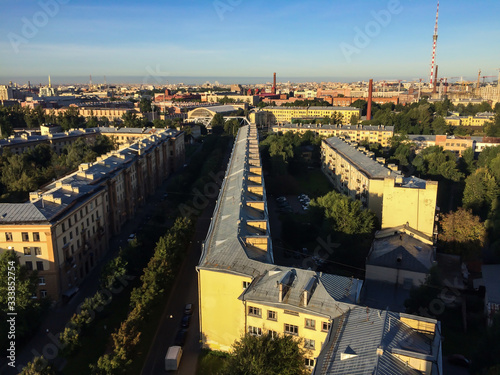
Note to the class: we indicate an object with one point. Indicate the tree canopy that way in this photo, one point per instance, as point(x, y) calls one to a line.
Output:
point(266, 355)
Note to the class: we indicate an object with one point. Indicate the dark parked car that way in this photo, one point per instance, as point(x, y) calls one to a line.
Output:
point(188, 309)
point(180, 337)
point(186, 319)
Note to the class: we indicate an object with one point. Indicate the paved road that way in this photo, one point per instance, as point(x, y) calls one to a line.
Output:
point(185, 290)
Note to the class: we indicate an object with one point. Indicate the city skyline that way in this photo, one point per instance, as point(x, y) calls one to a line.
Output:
point(314, 41)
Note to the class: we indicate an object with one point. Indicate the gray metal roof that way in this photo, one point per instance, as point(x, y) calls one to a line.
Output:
point(372, 168)
point(12, 213)
point(401, 251)
point(74, 189)
point(224, 248)
point(313, 108)
point(365, 330)
point(331, 297)
point(314, 127)
point(491, 278)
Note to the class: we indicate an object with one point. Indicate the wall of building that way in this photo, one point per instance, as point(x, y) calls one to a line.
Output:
point(393, 275)
point(414, 206)
point(222, 314)
point(285, 114)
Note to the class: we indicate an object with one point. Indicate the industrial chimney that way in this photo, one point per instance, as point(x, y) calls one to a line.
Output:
point(273, 91)
point(369, 108)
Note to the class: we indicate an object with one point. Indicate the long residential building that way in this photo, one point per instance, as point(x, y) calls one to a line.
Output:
point(396, 200)
point(60, 140)
point(357, 133)
point(241, 290)
point(286, 114)
point(65, 228)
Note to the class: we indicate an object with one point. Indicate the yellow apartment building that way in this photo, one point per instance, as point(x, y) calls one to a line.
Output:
point(478, 120)
point(396, 200)
point(242, 291)
point(357, 133)
point(286, 114)
point(65, 227)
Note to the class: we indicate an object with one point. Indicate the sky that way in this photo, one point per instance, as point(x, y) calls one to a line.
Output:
point(158, 41)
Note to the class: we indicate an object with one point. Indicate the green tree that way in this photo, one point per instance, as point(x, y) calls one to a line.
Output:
point(39, 366)
point(217, 124)
point(480, 191)
point(439, 126)
point(344, 214)
point(145, 105)
point(259, 355)
point(492, 129)
point(462, 233)
point(28, 310)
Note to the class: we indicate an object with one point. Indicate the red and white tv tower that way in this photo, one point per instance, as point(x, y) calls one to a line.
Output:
point(434, 37)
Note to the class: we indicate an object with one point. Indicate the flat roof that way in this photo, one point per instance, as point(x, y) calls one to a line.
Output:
point(338, 127)
point(312, 107)
point(365, 164)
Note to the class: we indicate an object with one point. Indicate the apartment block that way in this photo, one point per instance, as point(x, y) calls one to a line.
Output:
point(241, 291)
point(396, 200)
point(65, 228)
point(286, 114)
point(356, 133)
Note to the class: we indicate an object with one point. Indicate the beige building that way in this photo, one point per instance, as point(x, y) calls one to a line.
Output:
point(357, 133)
point(286, 114)
point(241, 290)
point(64, 229)
point(238, 98)
point(396, 200)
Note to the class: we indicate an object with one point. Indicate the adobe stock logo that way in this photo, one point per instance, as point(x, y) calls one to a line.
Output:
point(31, 26)
point(372, 29)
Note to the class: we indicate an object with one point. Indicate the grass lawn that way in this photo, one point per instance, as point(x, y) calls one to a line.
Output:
point(210, 362)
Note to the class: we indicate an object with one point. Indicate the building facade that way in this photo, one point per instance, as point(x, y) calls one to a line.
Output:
point(286, 114)
point(357, 133)
point(65, 228)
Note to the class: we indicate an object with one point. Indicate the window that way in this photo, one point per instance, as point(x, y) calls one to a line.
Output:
point(25, 236)
point(309, 344)
point(246, 284)
point(39, 266)
point(273, 334)
point(310, 323)
point(70, 235)
point(27, 251)
point(8, 236)
point(37, 250)
point(254, 311)
point(69, 222)
point(309, 362)
point(64, 240)
point(77, 231)
point(41, 280)
point(291, 329)
point(271, 315)
point(36, 236)
point(325, 326)
point(254, 331)
point(289, 312)
point(29, 265)
point(43, 293)
point(63, 227)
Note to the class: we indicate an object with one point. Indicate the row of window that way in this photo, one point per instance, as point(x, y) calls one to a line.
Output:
point(24, 236)
point(28, 251)
point(273, 315)
point(75, 217)
point(29, 265)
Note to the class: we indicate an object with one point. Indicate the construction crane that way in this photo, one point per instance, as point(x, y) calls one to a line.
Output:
point(483, 77)
point(434, 38)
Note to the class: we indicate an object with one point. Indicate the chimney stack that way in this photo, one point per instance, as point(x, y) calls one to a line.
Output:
point(273, 91)
point(369, 108)
point(435, 80)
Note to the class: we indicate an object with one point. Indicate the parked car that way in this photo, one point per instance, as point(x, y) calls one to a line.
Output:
point(180, 337)
point(186, 319)
point(131, 237)
point(188, 309)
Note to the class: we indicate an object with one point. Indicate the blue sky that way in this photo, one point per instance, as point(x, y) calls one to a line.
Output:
point(243, 38)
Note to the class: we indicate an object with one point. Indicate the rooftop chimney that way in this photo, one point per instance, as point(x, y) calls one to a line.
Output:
point(273, 91)
point(369, 108)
